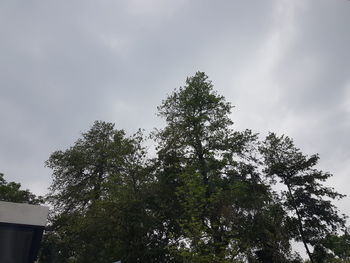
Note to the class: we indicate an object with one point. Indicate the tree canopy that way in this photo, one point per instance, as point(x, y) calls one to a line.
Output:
point(12, 192)
point(207, 194)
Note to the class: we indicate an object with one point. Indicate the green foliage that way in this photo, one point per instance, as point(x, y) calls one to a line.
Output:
point(339, 245)
point(214, 177)
point(207, 195)
point(314, 215)
point(11, 192)
point(99, 193)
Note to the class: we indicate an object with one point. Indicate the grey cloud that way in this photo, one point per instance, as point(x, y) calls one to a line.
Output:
point(65, 64)
point(314, 72)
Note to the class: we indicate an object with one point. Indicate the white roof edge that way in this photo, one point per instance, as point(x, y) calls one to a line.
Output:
point(25, 214)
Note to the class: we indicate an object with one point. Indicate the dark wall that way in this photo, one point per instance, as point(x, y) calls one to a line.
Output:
point(19, 243)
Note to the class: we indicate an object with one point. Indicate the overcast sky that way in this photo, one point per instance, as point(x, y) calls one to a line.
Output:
point(284, 64)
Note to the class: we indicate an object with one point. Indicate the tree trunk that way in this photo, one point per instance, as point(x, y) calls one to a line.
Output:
point(300, 225)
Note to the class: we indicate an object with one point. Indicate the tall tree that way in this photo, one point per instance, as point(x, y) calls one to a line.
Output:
point(98, 193)
point(207, 195)
point(211, 173)
point(81, 172)
point(305, 196)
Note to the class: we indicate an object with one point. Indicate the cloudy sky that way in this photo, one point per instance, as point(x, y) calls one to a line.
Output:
point(284, 64)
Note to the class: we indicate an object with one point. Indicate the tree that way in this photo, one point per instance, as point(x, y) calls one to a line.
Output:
point(206, 196)
point(81, 173)
point(11, 192)
point(306, 197)
point(335, 248)
point(210, 173)
point(99, 190)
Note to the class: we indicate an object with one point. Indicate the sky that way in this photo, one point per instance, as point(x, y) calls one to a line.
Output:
point(283, 64)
